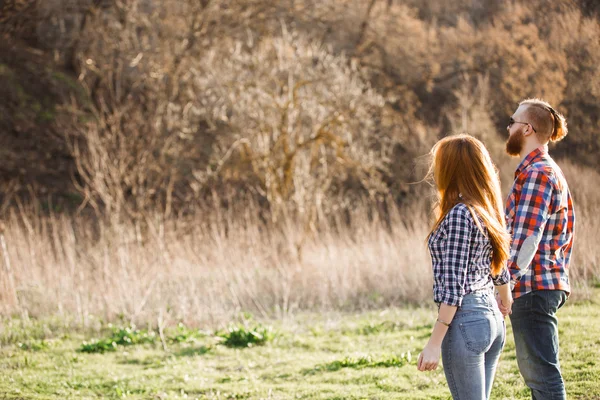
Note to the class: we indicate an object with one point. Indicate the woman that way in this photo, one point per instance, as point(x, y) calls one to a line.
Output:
point(469, 246)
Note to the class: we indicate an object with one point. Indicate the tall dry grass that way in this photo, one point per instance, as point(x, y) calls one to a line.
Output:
point(207, 270)
point(585, 187)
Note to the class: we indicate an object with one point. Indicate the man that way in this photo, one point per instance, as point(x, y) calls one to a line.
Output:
point(540, 219)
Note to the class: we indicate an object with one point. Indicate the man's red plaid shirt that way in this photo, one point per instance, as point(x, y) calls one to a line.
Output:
point(541, 220)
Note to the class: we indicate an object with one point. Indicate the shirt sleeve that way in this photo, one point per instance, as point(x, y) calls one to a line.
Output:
point(455, 258)
point(530, 217)
point(501, 279)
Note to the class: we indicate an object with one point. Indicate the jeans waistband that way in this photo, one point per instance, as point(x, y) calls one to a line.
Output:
point(478, 301)
point(479, 297)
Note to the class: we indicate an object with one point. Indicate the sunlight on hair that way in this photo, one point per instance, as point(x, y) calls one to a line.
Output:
point(464, 173)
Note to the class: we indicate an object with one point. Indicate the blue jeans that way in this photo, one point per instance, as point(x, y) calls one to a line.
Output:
point(535, 329)
point(472, 347)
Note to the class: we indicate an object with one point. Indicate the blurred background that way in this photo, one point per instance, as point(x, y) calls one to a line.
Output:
point(195, 159)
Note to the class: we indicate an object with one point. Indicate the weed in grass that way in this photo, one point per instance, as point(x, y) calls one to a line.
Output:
point(183, 334)
point(234, 336)
point(225, 379)
point(119, 337)
point(243, 336)
point(34, 345)
point(194, 351)
point(98, 346)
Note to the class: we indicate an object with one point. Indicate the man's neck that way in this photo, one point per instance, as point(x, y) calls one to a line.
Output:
point(528, 148)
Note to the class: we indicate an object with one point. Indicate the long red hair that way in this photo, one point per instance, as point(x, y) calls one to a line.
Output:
point(464, 173)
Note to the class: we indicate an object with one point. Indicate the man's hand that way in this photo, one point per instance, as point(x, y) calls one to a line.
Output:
point(429, 358)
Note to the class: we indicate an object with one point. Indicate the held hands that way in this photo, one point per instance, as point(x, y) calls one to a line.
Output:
point(429, 358)
point(504, 306)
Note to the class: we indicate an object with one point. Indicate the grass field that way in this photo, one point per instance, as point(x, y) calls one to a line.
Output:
point(368, 355)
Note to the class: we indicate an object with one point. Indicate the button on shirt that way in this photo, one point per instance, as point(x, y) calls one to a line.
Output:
point(461, 255)
point(541, 221)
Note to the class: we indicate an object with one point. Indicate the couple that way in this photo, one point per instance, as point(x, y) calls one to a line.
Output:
point(472, 251)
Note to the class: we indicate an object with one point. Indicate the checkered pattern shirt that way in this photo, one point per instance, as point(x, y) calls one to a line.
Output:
point(541, 220)
point(461, 255)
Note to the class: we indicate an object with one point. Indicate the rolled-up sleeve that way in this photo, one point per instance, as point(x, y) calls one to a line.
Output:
point(452, 273)
point(502, 278)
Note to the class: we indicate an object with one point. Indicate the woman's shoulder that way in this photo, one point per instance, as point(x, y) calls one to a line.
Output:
point(460, 211)
point(458, 215)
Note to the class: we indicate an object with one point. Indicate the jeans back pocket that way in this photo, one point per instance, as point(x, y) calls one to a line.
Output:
point(477, 334)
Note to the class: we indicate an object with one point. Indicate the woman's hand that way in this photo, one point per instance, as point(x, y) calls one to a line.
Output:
point(429, 358)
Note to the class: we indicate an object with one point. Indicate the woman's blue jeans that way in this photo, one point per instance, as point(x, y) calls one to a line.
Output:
point(535, 329)
point(472, 347)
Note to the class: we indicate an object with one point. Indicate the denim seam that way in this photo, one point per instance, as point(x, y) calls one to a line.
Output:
point(540, 304)
point(449, 375)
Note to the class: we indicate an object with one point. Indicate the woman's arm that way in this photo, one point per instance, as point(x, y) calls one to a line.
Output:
point(451, 277)
point(429, 358)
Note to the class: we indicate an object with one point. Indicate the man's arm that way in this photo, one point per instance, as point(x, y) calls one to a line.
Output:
point(530, 217)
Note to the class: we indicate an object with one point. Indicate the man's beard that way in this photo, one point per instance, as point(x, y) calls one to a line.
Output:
point(514, 143)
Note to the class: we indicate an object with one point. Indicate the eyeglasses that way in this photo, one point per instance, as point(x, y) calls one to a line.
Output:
point(512, 121)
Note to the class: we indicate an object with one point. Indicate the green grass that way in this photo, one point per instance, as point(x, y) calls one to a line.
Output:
point(312, 356)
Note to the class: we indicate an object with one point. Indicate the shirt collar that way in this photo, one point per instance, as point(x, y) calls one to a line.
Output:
point(534, 156)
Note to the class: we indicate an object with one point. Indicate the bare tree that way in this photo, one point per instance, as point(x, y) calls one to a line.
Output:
point(302, 121)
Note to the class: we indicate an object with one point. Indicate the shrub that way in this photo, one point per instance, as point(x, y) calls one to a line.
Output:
point(243, 336)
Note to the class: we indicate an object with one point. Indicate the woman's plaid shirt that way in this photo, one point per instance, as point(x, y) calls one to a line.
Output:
point(461, 255)
point(541, 220)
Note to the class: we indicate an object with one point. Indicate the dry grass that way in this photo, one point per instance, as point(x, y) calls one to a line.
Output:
point(207, 270)
point(210, 268)
point(585, 187)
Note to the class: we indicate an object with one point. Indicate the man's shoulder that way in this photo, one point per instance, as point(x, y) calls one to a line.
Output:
point(541, 173)
point(544, 169)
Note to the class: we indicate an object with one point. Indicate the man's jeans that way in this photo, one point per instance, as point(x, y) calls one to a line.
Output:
point(472, 347)
point(535, 329)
